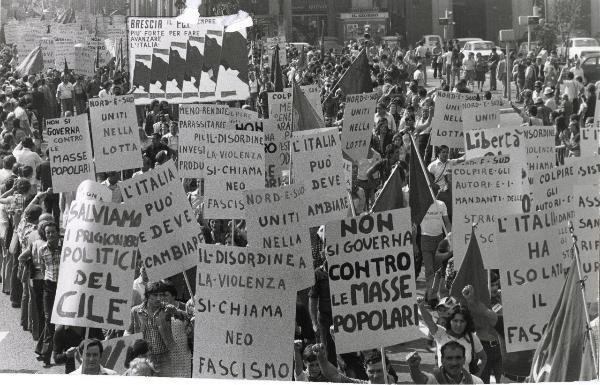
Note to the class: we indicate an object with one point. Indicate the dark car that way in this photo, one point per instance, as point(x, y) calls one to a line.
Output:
point(591, 68)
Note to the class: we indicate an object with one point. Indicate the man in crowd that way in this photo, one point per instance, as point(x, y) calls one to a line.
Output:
point(452, 370)
point(91, 353)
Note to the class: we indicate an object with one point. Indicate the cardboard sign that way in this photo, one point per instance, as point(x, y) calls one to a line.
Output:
point(245, 120)
point(540, 149)
point(244, 308)
point(70, 152)
point(115, 133)
point(276, 218)
point(531, 275)
point(477, 115)
point(64, 51)
point(317, 161)
point(590, 139)
point(90, 189)
point(372, 280)
point(85, 58)
point(97, 265)
point(277, 136)
point(483, 189)
point(235, 161)
point(587, 229)
point(313, 94)
point(48, 49)
point(169, 233)
point(447, 124)
point(358, 125)
point(193, 118)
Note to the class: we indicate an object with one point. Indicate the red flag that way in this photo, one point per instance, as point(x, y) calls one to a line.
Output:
point(472, 272)
point(357, 78)
point(32, 64)
point(390, 197)
point(304, 116)
point(276, 73)
point(564, 353)
point(420, 198)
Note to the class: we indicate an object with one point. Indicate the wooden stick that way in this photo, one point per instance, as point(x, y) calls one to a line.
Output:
point(384, 365)
point(187, 283)
point(85, 344)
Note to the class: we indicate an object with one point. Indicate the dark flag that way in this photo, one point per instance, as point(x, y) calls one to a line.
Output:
point(357, 78)
point(158, 72)
point(390, 197)
point(66, 70)
point(194, 60)
point(564, 353)
point(176, 70)
point(420, 198)
point(32, 64)
point(212, 58)
point(233, 80)
point(302, 61)
point(472, 272)
point(276, 73)
point(141, 72)
point(304, 116)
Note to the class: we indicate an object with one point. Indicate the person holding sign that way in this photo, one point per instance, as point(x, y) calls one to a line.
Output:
point(451, 372)
point(460, 328)
point(91, 353)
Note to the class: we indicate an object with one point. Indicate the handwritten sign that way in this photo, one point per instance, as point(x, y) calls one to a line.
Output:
point(276, 218)
point(97, 264)
point(477, 115)
point(245, 120)
point(246, 302)
point(590, 139)
point(277, 136)
point(90, 189)
point(540, 149)
point(531, 275)
point(70, 152)
point(193, 118)
point(447, 123)
point(357, 128)
point(235, 161)
point(115, 133)
point(372, 281)
point(587, 228)
point(169, 233)
point(317, 161)
point(483, 189)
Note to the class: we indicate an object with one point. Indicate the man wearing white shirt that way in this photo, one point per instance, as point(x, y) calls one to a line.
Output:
point(432, 233)
point(64, 93)
point(25, 155)
point(451, 371)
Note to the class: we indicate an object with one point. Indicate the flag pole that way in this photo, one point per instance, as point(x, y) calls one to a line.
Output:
point(412, 142)
point(588, 326)
point(384, 366)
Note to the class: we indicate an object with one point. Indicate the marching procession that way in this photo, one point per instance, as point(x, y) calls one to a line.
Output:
point(180, 198)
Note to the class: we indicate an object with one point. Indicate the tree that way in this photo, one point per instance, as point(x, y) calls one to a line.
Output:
point(567, 16)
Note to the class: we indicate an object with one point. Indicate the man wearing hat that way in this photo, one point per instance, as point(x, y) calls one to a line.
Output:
point(537, 89)
point(549, 100)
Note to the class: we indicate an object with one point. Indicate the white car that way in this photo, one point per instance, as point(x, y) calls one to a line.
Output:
point(580, 46)
point(484, 47)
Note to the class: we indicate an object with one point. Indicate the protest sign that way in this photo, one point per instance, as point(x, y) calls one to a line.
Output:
point(553, 190)
point(115, 133)
point(482, 190)
point(114, 352)
point(276, 218)
point(590, 139)
point(169, 232)
point(70, 152)
point(246, 302)
point(64, 52)
point(447, 124)
point(193, 118)
point(313, 94)
point(235, 161)
point(357, 127)
point(317, 161)
point(245, 120)
point(85, 58)
point(97, 266)
point(89, 189)
point(540, 149)
point(48, 49)
point(531, 275)
point(477, 115)
point(587, 229)
point(277, 136)
point(372, 280)
point(495, 141)
point(348, 174)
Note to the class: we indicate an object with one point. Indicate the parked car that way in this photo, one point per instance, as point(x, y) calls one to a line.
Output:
point(591, 68)
point(580, 46)
point(464, 40)
point(431, 41)
point(484, 47)
point(534, 46)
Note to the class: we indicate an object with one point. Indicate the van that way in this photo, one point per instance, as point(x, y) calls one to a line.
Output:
point(431, 41)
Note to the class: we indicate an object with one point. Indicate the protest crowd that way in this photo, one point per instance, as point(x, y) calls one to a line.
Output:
point(404, 163)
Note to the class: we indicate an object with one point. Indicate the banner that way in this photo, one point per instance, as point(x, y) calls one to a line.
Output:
point(317, 161)
point(277, 136)
point(64, 52)
point(193, 119)
point(587, 229)
point(372, 280)
point(276, 218)
point(70, 152)
point(235, 162)
point(97, 266)
point(169, 232)
point(358, 125)
point(48, 52)
point(483, 189)
point(590, 139)
point(447, 124)
point(115, 133)
point(478, 115)
point(246, 302)
point(531, 275)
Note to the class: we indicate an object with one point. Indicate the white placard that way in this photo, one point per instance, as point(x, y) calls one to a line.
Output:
point(358, 125)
